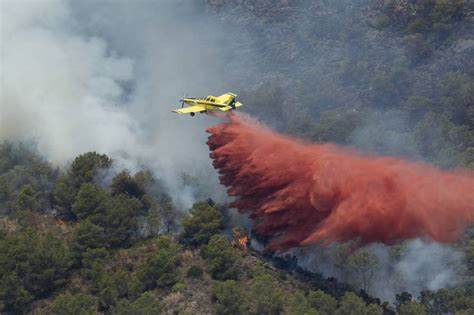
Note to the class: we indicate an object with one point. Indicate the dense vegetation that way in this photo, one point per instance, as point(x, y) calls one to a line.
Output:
point(107, 248)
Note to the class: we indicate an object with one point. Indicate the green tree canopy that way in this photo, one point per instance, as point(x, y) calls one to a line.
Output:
point(147, 303)
point(374, 309)
point(362, 264)
point(119, 220)
point(123, 183)
point(89, 201)
point(83, 170)
point(194, 272)
point(26, 198)
point(127, 284)
point(26, 181)
point(203, 222)
point(87, 235)
point(228, 297)
point(323, 302)
point(412, 308)
point(13, 296)
point(68, 303)
point(351, 304)
point(266, 295)
point(95, 256)
point(224, 262)
point(85, 166)
point(446, 300)
point(169, 216)
point(299, 304)
point(64, 194)
point(401, 298)
point(160, 269)
point(32, 263)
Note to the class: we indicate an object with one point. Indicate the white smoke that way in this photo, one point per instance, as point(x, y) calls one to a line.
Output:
point(59, 88)
point(419, 266)
point(104, 76)
point(429, 266)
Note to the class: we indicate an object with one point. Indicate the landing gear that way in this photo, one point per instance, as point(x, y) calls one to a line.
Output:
point(192, 114)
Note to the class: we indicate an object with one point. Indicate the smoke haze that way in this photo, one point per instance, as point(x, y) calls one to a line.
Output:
point(104, 76)
point(420, 265)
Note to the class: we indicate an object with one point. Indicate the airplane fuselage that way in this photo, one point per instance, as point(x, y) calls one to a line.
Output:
point(224, 102)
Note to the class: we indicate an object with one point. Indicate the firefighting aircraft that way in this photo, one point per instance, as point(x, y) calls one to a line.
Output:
point(224, 102)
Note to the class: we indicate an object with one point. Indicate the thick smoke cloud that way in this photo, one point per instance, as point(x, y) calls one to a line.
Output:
point(104, 76)
point(58, 88)
point(302, 193)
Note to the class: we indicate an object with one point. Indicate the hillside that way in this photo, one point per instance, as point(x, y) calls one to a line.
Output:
point(120, 249)
point(109, 203)
point(123, 248)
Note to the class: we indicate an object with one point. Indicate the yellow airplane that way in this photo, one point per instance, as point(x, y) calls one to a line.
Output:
point(224, 102)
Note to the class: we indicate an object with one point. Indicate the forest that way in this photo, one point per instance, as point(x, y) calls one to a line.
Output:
point(91, 236)
point(122, 248)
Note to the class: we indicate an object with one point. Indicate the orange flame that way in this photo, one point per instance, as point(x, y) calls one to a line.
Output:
point(240, 241)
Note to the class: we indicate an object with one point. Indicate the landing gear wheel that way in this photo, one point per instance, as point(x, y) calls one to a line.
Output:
point(192, 114)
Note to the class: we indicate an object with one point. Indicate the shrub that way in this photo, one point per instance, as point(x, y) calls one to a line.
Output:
point(412, 308)
point(228, 297)
point(416, 46)
point(445, 10)
point(222, 259)
point(161, 268)
point(178, 287)
point(351, 304)
point(147, 303)
point(68, 303)
point(266, 295)
point(194, 272)
point(84, 167)
point(123, 183)
point(89, 200)
point(323, 302)
point(203, 222)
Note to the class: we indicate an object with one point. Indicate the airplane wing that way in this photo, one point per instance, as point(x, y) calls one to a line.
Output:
point(197, 101)
point(190, 109)
point(225, 108)
point(209, 103)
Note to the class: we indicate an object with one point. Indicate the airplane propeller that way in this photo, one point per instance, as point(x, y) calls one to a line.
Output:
point(182, 100)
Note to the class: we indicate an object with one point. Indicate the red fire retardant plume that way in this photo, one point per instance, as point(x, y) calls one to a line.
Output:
point(300, 193)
